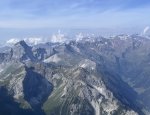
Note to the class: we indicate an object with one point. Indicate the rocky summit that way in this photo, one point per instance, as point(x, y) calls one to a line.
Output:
point(90, 76)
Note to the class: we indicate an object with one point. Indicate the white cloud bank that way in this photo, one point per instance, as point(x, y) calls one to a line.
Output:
point(12, 41)
point(59, 37)
point(31, 41)
point(79, 37)
point(146, 30)
point(34, 40)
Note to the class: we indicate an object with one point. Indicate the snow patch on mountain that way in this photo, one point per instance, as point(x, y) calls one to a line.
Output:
point(131, 113)
point(1, 70)
point(88, 64)
point(16, 84)
point(96, 106)
point(53, 58)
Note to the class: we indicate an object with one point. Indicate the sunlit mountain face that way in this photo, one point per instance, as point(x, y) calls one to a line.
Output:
point(74, 57)
point(90, 75)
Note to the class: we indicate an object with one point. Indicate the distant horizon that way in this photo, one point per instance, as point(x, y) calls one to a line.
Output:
point(28, 16)
point(34, 36)
point(7, 33)
point(38, 18)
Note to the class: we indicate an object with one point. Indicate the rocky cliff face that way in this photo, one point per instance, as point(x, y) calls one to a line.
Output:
point(86, 77)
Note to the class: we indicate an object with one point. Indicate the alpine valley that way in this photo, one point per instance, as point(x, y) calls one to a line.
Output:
point(88, 76)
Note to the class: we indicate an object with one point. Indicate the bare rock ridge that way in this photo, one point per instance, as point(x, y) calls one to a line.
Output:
point(97, 76)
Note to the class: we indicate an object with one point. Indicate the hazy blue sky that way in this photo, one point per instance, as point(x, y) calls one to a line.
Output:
point(23, 14)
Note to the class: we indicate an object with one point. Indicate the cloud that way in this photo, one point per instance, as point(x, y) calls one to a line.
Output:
point(12, 41)
point(30, 40)
point(59, 37)
point(34, 40)
point(146, 30)
point(70, 13)
point(79, 37)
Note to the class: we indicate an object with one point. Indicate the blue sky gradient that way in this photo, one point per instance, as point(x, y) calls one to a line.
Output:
point(74, 13)
point(21, 18)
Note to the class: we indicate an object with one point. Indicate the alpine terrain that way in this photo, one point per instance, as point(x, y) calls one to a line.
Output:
point(88, 76)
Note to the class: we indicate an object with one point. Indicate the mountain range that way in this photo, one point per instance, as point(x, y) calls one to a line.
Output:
point(88, 76)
